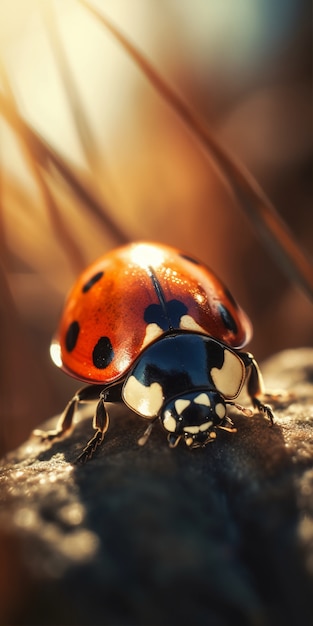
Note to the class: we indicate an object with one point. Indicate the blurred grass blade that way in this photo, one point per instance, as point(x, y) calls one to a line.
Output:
point(74, 252)
point(45, 156)
point(248, 193)
point(4, 251)
point(24, 390)
point(94, 160)
point(83, 129)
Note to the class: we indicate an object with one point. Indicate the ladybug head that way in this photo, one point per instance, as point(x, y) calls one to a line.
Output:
point(194, 416)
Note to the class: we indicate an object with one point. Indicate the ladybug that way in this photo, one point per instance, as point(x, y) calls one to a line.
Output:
point(151, 326)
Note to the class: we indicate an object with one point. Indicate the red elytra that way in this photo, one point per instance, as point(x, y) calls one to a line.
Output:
point(130, 297)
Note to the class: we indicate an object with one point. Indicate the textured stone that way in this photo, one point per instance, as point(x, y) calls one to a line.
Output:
point(150, 536)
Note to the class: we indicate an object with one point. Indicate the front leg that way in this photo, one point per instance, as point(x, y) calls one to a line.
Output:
point(255, 386)
point(100, 424)
point(100, 420)
point(65, 423)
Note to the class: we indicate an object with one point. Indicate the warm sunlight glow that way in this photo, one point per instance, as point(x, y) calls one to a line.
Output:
point(146, 255)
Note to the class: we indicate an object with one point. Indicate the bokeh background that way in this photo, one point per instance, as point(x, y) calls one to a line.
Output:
point(91, 157)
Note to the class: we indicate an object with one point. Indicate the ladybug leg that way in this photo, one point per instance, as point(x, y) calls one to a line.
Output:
point(255, 386)
point(241, 408)
point(264, 408)
point(65, 423)
point(173, 440)
point(101, 419)
point(144, 438)
point(101, 424)
point(227, 424)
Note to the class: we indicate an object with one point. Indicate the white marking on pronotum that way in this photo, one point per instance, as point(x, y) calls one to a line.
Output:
point(203, 398)
point(230, 378)
point(146, 401)
point(181, 404)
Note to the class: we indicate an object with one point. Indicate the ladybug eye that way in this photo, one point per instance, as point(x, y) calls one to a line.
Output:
point(94, 279)
point(103, 353)
point(227, 318)
point(72, 336)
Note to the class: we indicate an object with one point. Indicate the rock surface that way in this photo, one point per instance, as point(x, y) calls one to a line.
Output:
point(152, 536)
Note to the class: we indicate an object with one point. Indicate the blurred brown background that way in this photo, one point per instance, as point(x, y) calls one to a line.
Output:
point(244, 66)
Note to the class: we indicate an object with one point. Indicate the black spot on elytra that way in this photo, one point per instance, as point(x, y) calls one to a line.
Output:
point(72, 336)
point(94, 279)
point(167, 316)
point(190, 258)
point(230, 297)
point(227, 318)
point(102, 353)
